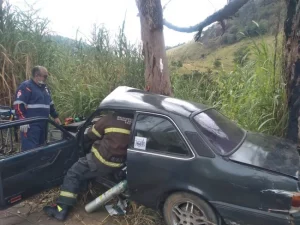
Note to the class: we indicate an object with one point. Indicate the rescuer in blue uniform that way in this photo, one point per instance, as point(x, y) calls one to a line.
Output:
point(33, 99)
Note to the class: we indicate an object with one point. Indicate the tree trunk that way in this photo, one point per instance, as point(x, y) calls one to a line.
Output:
point(1, 16)
point(156, 65)
point(292, 67)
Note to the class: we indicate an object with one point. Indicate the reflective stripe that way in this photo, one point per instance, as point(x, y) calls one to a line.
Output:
point(19, 111)
point(68, 194)
point(19, 102)
point(59, 208)
point(110, 164)
point(96, 132)
point(116, 130)
point(38, 106)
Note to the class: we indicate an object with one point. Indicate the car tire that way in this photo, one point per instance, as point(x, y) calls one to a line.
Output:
point(177, 210)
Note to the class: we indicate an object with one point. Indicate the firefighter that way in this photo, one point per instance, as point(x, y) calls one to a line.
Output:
point(33, 99)
point(110, 136)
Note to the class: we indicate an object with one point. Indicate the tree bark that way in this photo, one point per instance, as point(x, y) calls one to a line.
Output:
point(156, 65)
point(292, 67)
point(1, 16)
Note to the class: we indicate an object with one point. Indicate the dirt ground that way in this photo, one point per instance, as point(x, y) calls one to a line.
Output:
point(20, 215)
point(30, 212)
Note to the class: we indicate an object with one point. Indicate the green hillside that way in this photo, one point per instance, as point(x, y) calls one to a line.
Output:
point(198, 56)
point(256, 21)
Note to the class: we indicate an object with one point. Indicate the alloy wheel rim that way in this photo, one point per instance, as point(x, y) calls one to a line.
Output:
point(188, 213)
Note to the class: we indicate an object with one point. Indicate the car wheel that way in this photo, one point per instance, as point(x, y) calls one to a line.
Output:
point(187, 209)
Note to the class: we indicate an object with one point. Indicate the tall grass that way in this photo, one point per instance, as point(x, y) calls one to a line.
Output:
point(24, 42)
point(92, 70)
point(81, 72)
point(253, 95)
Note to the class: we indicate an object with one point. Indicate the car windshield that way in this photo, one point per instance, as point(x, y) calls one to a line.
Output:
point(222, 133)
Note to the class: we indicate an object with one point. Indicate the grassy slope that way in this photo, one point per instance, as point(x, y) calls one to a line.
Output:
point(191, 55)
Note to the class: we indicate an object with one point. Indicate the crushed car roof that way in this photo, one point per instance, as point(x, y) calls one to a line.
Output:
point(135, 99)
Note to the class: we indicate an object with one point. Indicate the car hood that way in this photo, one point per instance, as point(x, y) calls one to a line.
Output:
point(270, 153)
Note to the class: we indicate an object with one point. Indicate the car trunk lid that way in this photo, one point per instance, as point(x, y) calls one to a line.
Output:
point(270, 153)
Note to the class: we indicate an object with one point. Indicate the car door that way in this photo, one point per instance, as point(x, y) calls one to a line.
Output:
point(157, 154)
point(24, 173)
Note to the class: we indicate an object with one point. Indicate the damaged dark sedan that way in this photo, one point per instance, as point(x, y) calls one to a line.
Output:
point(185, 159)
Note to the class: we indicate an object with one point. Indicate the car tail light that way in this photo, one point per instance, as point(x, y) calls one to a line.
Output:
point(296, 200)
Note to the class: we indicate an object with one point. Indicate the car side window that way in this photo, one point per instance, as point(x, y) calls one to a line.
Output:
point(14, 139)
point(157, 134)
point(54, 134)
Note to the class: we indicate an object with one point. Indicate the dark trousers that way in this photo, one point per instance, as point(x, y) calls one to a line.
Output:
point(34, 137)
point(83, 170)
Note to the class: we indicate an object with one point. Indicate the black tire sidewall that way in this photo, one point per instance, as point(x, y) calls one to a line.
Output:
point(181, 197)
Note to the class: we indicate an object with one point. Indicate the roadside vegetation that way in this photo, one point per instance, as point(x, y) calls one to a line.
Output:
point(83, 72)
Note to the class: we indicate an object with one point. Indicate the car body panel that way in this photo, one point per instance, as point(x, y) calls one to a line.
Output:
point(134, 99)
point(152, 177)
point(270, 153)
point(237, 215)
point(295, 218)
point(30, 172)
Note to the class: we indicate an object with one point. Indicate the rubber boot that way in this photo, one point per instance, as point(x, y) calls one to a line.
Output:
point(59, 212)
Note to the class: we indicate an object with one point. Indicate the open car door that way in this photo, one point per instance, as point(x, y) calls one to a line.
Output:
point(25, 173)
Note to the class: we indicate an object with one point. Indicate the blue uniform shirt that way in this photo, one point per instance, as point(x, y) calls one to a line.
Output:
point(33, 100)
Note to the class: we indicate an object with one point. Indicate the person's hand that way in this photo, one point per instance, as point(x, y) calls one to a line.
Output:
point(24, 128)
point(57, 121)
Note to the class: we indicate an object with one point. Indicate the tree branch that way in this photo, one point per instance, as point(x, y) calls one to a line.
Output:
point(164, 5)
point(229, 10)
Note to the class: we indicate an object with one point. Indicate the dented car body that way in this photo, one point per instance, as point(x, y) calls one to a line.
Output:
point(177, 146)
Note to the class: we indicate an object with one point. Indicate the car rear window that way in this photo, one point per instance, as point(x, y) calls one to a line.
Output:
point(222, 133)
